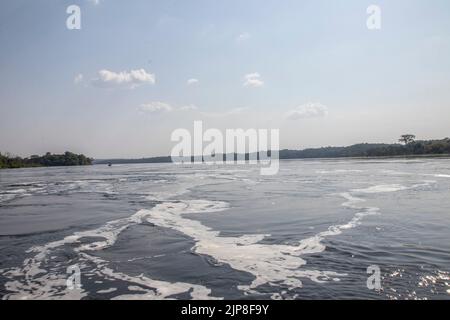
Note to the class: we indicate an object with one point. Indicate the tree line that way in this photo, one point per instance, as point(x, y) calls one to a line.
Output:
point(408, 146)
point(47, 160)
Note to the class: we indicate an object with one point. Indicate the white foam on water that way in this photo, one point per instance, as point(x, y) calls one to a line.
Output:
point(32, 281)
point(275, 265)
point(107, 290)
point(17, 191)
point(151, 289)
point(6, 197)
point(441, 175)
point(56, 187)
point(385, 188)
point(395, 172)
point(24, 190)
point(162, 195)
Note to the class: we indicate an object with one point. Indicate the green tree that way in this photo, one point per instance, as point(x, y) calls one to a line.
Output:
point(407, 138)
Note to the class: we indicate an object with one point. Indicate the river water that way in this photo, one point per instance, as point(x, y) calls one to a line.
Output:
point(165, 231)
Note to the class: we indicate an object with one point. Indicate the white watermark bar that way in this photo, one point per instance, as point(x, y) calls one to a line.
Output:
point(235, 146)
point(374, 17)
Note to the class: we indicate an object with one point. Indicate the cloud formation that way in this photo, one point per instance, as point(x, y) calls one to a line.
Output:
point(133, 78)
point(78, 78)
point(309, 110)
point(159, 107)
point(243, 37)
point(192, 81)
point(253, 80)
point(163, 107)
point(156, 107)
point(190, 107)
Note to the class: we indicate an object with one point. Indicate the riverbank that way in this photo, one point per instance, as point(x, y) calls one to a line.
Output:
point(48, 160)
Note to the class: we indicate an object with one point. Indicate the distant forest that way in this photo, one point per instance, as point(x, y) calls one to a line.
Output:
point(47, 160)
point(411, 148)
point(407, 147)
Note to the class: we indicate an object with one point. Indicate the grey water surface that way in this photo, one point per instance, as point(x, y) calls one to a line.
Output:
point(163, 231)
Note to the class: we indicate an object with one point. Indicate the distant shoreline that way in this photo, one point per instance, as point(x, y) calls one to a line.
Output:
point(48, 160)
point(409, 157)
point(430, 156)
point(414, 149)
point(428, 148)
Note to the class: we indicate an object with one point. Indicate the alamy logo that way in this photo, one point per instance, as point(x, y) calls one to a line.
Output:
point(374, 280)
point(74, 280)
point(374, 20)
point(250, 146)
point(73, 22)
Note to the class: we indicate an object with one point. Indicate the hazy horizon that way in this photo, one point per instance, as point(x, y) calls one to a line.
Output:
point(118, 87)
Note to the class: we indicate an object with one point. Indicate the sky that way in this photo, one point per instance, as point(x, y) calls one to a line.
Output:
point(137, 70)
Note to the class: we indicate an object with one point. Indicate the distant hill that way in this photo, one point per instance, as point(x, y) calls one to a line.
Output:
point(424, 147)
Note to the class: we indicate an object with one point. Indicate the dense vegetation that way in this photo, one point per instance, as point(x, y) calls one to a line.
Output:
point(408, 148)
point(430, 147)
point(47, 160)
point(357, 150)
point(411, 148)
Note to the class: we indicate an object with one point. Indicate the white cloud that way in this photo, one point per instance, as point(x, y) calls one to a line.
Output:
point(309, 110)
point(163, 107)
point(78, 78)
point(131, 78)
point(156, 107)
point(190, 107)
point(253, 80)
point(95, 2)
point(243, 37)
point(192, 81)
point(159, 107)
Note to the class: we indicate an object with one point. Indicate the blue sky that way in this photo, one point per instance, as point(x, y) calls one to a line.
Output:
point(119, 86)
